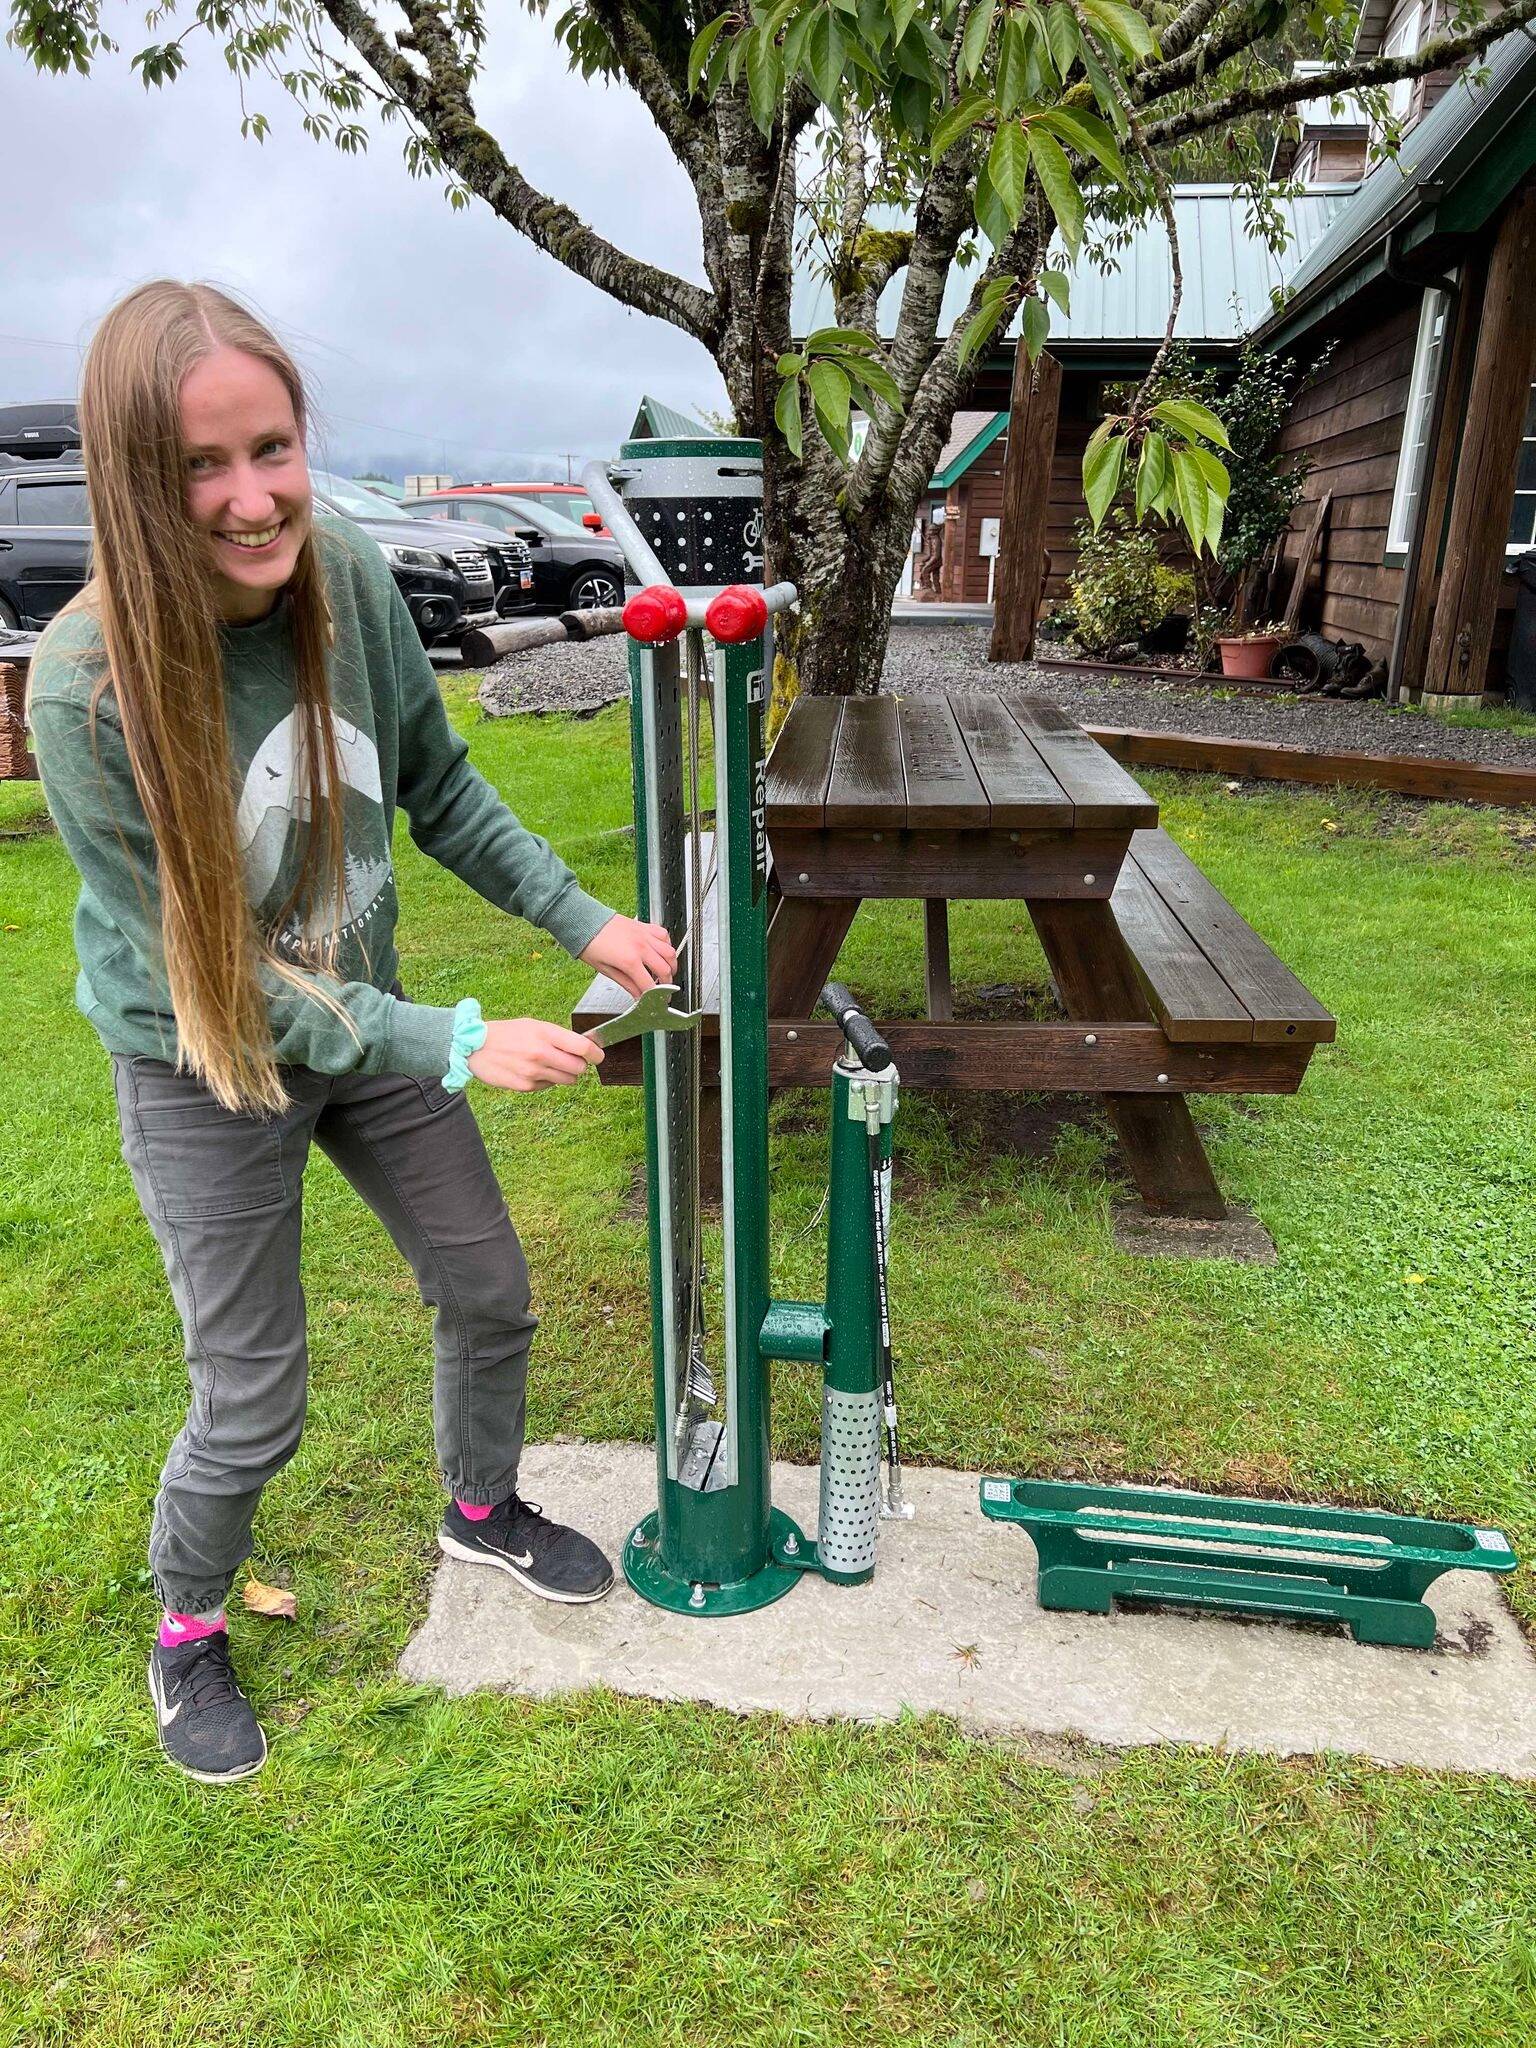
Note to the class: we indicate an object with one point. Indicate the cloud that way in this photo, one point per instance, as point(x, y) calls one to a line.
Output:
point(436, 337)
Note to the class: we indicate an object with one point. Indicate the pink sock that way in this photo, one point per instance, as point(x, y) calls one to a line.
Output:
point(470, 1512)
point(189, 1628)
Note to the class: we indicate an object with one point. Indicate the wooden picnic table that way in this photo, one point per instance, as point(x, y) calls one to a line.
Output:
point(1167, 990)
point(981, 795)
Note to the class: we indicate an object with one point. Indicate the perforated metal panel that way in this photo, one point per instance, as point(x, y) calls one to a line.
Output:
point(850, 1480)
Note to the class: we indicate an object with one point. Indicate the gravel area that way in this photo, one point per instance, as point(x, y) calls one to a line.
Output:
point(578, 677)
point(925, 659)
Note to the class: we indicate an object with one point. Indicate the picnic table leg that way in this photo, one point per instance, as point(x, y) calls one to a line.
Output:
point(1097, 981)
point(938, 989)
point(805, 935)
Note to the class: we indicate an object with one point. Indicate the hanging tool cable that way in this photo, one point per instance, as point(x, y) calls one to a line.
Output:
point(699, 1391)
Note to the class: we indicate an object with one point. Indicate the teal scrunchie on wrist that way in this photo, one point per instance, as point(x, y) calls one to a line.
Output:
point(468, 1037)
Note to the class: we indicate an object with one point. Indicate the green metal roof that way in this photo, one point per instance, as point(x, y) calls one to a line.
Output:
point(961, 461)
point(1455, 169)
point(657, 422)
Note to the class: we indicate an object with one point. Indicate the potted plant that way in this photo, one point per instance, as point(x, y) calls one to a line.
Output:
point(1250, 655)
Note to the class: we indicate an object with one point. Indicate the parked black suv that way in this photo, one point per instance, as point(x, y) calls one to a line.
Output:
point(573, 569)
point(45, 539)
point(45, 545)
point(487, 573)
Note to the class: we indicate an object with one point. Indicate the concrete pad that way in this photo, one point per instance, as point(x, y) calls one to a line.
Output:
point(1239, 1236)
point(950, 1625)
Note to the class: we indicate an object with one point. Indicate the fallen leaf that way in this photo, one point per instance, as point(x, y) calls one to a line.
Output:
point(277, 1601)
point(1413, 1279)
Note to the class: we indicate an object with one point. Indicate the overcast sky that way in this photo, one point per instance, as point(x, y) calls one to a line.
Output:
point(431, 337)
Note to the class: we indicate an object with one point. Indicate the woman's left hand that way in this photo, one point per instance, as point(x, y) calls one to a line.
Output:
point(636, 955)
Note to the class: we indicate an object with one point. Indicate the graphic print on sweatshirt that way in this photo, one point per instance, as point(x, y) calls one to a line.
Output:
point(274, 803)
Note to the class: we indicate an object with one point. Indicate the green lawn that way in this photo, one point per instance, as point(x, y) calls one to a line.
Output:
point(489, 1871)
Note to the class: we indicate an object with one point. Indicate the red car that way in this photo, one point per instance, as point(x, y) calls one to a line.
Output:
point(569, 500)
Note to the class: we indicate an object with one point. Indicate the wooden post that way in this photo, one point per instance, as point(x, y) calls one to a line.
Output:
point(1421, 572)
point(1032, 411)
point(1485, 474)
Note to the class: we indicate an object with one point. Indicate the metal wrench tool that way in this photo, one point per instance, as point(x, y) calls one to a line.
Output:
point(651, 1012)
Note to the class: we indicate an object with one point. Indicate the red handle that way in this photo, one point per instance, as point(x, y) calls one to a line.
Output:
point(655, 614)
point(738, 613)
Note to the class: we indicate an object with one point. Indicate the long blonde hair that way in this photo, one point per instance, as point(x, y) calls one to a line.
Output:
point(152, 589)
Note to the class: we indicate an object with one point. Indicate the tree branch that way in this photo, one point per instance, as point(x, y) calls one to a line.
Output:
point(1431, 56)
point(440, 102)
point(649, 79)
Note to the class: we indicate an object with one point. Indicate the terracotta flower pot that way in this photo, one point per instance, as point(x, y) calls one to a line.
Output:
point(1249, 657)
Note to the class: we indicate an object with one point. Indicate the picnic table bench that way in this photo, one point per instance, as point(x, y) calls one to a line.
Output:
point(1167, 990)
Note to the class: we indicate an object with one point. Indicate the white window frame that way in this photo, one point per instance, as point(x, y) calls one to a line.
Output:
point(1404, 42)
point(1414, 449)
point(1520, 547)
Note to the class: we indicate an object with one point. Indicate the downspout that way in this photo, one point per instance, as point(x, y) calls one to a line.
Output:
point(1414, 566)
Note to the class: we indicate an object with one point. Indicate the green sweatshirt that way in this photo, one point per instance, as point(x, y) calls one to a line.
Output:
point(396, 747)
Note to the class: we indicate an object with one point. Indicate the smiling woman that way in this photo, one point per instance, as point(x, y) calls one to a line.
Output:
point(225, 720)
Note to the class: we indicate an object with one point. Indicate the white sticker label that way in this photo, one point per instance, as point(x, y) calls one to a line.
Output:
point(1489, 1539)
point(996, 1489)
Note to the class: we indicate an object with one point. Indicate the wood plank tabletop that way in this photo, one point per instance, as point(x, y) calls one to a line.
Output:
point(943, 787)
point(869, 783)
point(800, 766)
point(967, 763)
point(1095, 782)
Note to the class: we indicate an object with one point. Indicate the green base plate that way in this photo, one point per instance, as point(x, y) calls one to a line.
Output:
point(652, 1581)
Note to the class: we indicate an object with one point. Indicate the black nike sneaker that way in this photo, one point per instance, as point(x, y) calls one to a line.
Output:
point(554, 1562)
point(207, 1726)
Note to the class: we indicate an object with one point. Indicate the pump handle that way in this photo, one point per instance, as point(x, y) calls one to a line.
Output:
point(863, 1036)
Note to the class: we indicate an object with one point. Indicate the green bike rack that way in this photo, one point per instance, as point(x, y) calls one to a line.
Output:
point(1099, 1544)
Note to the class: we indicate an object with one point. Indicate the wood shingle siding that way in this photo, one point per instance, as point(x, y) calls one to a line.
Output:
point(1349, 423)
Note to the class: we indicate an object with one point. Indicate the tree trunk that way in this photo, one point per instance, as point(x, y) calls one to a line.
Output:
point(847, 582)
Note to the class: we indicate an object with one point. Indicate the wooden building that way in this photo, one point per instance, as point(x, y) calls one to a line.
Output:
point(1421, 429)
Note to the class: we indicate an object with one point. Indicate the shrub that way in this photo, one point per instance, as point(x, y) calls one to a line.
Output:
point(1121, 588)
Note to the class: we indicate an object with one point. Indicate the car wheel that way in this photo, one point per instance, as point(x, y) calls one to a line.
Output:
point(8, 618)
point(595, 590)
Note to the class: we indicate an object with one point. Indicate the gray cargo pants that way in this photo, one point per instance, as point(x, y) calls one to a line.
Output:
point(223, 1194)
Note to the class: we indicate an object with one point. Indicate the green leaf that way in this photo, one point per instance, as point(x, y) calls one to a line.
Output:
point(787, 414)
point(1123, 25)
point(1057, 289)
point(790, 365)
point(973, 44)
point(1193, 496)
point(831, 396)
point(1188, 416)
point(1102, 466)
point(1215, 518)
point(1062, 36)
point(1087, 134)
point(991, 214)
point(1214, 471)
point(826, 52)
point(1008, 169)
point(1059, 186)
point(1037, 327)
point(902, 12)
point(873, 379)
point(765, 79)
point(988, 314)
point(1013, 66)
point(958, 120)
point(1151, 474)
point(827, 340)
point(1104, 92)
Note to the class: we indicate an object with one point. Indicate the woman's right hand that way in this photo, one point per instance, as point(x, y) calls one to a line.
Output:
point(526, 1053)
